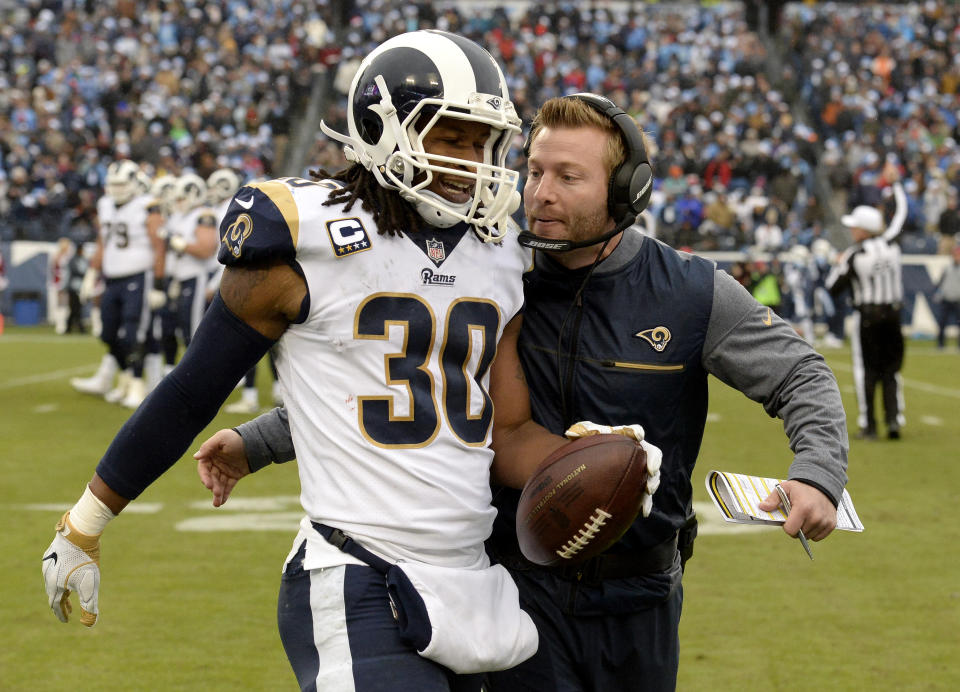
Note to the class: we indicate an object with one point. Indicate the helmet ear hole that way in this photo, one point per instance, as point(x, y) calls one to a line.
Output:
point(370, 129)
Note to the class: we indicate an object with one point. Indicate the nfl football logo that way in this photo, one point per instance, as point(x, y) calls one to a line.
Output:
point(435, 251)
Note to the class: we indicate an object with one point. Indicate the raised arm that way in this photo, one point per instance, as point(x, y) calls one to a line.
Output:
point(899, 215)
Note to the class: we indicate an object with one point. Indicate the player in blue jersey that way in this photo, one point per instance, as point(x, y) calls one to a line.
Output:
point(386, 290)
point(618, 328)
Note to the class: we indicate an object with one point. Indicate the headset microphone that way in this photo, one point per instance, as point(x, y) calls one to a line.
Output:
point(630, 184)
point(538, 242)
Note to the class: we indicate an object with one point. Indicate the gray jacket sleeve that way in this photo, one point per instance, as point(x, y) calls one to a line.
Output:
point(751, 349)
point(267, 440)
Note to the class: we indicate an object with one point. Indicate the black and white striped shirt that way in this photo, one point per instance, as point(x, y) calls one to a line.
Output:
point(872, 270)
point(872, 267)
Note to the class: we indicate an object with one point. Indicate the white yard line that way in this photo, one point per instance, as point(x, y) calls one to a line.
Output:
point(43, 338)
point(953, 392)
point(47, 376)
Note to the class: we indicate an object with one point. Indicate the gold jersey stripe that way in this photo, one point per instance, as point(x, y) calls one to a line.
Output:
point(281, 196)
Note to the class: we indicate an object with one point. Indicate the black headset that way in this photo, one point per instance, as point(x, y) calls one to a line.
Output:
point(631, 183)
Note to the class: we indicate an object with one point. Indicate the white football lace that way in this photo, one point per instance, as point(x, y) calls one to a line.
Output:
point(584, 535)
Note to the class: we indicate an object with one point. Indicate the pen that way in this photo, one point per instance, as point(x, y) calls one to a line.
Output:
point(785, 501)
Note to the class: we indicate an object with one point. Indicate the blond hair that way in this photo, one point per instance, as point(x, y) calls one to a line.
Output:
point(561, 112)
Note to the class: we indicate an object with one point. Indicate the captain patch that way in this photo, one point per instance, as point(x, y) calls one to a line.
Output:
point(348, 236)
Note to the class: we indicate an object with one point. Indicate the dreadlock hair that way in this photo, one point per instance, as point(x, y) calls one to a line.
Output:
point(392, 214)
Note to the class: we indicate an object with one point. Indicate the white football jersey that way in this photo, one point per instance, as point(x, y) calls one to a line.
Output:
point(386, 378)
point(123, 230)
point(184, 224)
point(219, 213)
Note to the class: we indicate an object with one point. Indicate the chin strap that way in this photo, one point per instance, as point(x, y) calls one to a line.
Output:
point(434, 215)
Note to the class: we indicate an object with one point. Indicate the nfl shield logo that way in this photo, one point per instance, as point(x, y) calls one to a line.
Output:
point(435, 251)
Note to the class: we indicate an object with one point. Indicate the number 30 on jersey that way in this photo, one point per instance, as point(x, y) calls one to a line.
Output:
point(469, 322)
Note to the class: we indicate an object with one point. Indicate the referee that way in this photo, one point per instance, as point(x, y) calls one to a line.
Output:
point(870, 268)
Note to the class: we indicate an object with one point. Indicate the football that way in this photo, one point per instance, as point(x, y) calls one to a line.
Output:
point(581, 499)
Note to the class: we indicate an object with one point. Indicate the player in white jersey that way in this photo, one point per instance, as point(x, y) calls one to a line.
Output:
point(161, 345)
point(130, 259)
point(192, 240)
point(221, 185)
point(798, 278)
point(388, 291)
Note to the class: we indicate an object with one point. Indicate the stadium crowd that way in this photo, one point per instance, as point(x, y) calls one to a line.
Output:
point(758, 145)
point(195, 86)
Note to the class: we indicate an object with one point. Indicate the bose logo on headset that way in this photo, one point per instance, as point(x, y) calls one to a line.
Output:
point(631, 183)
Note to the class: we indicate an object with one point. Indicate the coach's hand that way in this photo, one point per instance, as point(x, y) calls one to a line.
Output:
point(221, 462)
point(72, 563)
point(654, 455)
point(810, 510)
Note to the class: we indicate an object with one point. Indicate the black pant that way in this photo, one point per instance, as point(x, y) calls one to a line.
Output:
point(75, 319)
point(881, 341)
point(949, 310)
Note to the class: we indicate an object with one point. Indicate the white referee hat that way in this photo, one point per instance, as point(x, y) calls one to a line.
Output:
point(867, 218)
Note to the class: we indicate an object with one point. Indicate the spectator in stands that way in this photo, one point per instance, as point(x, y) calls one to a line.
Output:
point(722, 215)
point(768, 235)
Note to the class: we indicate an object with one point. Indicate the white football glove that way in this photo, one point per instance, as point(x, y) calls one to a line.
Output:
point(89, 285)
point(156, 298)
point(635, 431)
point(177, 243)
point(72, 562)
point(173, 291)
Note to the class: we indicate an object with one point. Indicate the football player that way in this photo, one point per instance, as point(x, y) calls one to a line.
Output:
point(130, 258)
point(192, 241)
point(798, 278)
point(221, 185)
point(388, 288)
point(161, 344)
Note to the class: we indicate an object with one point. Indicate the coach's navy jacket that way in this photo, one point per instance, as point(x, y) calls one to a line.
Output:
point(628, 351)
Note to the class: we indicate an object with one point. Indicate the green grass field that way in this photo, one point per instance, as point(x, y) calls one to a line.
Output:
point(188, 596)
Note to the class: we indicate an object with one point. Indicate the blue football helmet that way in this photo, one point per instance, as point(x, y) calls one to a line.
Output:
point(400, 91)
point(122, 183)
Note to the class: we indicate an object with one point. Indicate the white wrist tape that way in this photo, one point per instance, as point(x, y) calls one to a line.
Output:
point(89, 516)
